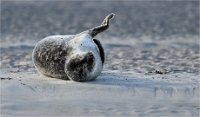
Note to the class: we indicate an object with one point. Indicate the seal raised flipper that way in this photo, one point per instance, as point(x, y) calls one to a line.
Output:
point(101, 50)
point(102, 27)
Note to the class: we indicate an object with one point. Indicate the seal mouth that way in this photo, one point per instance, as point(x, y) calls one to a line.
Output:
point(79, 66)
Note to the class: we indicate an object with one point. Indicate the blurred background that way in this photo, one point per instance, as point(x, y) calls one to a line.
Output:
point(142, 36)
point(26, 20)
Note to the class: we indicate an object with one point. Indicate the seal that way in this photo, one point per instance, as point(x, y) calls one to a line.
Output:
point(77, 57)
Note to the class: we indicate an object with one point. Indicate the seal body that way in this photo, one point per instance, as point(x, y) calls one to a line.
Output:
point(49, 56)
point(76, 57)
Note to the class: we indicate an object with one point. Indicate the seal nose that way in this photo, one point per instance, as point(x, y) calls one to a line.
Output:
point(79, 65)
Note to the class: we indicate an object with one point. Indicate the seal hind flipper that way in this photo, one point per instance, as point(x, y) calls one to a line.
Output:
point(101, 50)
point(102, 27)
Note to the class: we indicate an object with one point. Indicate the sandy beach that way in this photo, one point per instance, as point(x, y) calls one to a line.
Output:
point(143, 39)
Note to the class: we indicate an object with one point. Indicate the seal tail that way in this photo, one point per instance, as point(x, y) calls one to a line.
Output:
point(102, 27)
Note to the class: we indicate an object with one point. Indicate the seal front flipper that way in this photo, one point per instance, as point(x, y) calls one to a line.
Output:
point(101, 50)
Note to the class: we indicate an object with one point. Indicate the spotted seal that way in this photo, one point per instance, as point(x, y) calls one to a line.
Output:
point(77, 57)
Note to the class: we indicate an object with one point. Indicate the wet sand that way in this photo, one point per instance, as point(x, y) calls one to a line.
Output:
point(142, 38)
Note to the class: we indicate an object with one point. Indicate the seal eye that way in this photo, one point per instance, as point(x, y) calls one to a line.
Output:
point(101, 50)
point(79, 66)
